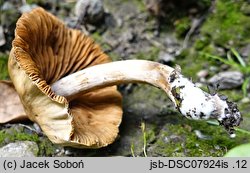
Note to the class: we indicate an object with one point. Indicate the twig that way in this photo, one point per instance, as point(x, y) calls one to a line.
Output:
point(28, 127)
point(196, 23)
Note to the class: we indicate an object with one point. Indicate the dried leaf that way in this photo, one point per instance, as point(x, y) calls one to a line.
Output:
point(11, 108)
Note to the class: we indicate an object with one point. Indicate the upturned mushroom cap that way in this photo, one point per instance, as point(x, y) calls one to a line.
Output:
point(45, 50)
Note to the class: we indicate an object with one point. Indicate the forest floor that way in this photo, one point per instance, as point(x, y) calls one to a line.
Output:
point(188, 35)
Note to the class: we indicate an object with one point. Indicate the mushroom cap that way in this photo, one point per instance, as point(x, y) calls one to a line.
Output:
point(45, 50)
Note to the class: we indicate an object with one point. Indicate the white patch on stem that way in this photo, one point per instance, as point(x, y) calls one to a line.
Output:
point(195, 103)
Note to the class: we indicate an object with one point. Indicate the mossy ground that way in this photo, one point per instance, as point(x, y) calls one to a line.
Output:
point(19, 133)
point(229, 25)
point(180, 140)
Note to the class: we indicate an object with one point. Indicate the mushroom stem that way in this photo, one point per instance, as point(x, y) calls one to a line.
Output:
point(191, 101)
point(114, 73)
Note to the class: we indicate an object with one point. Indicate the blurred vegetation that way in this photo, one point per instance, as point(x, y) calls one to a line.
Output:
point(3, 67)
point(228, 26)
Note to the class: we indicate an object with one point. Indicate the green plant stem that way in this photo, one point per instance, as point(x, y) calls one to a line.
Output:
point(239, 58)
point(238, 63)
point(143, 127)
point(245, 85)
point(132, 150)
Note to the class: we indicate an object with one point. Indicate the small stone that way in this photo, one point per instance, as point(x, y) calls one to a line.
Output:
point(59, 152)
point(245, 51)
point(217, 147)
point(165, 57)
point(19, 149)
point(199, 134)
point(37, 128)
point(198, 84)
point(89, 11)
point(232, 135)
point(224, 67)
point(227, 80)
point(202, 74)
point(166, 139)
point(7, 6)
point(68, 152)
point(111, 22)
point(245, 100)
point(128, 36)
point(213, 68)
point(172, 138)
point(245, 9)
point(221, 51)
point(27, 8)
point(172, 45)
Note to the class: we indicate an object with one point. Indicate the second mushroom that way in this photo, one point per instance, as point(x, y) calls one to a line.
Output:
point(67, 84)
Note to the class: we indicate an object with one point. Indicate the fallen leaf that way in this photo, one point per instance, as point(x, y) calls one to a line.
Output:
point(242, 150)
point(11, 108)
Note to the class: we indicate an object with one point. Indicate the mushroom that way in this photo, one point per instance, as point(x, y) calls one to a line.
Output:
point(43, 51)
point(67, 84)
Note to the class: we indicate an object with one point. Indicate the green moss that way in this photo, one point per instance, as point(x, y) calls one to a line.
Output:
point(97, 37)
point(245, 109)
point(151, 55)
point(191, 63)
point(31, 1)
point(46, 148)
point(12, 135)
point(234, 95)
point(146, 94)
point(3, 67)
point(138, 3)
point(19, 133)
point(1, 3)
point(202, 43)
point(182, 26)
point(180, 140)
point(227, 26)
point(150, 133)
point(35, 1)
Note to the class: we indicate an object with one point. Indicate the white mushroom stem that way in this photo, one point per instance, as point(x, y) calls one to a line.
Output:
point(190, 100)
point(119, 72)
